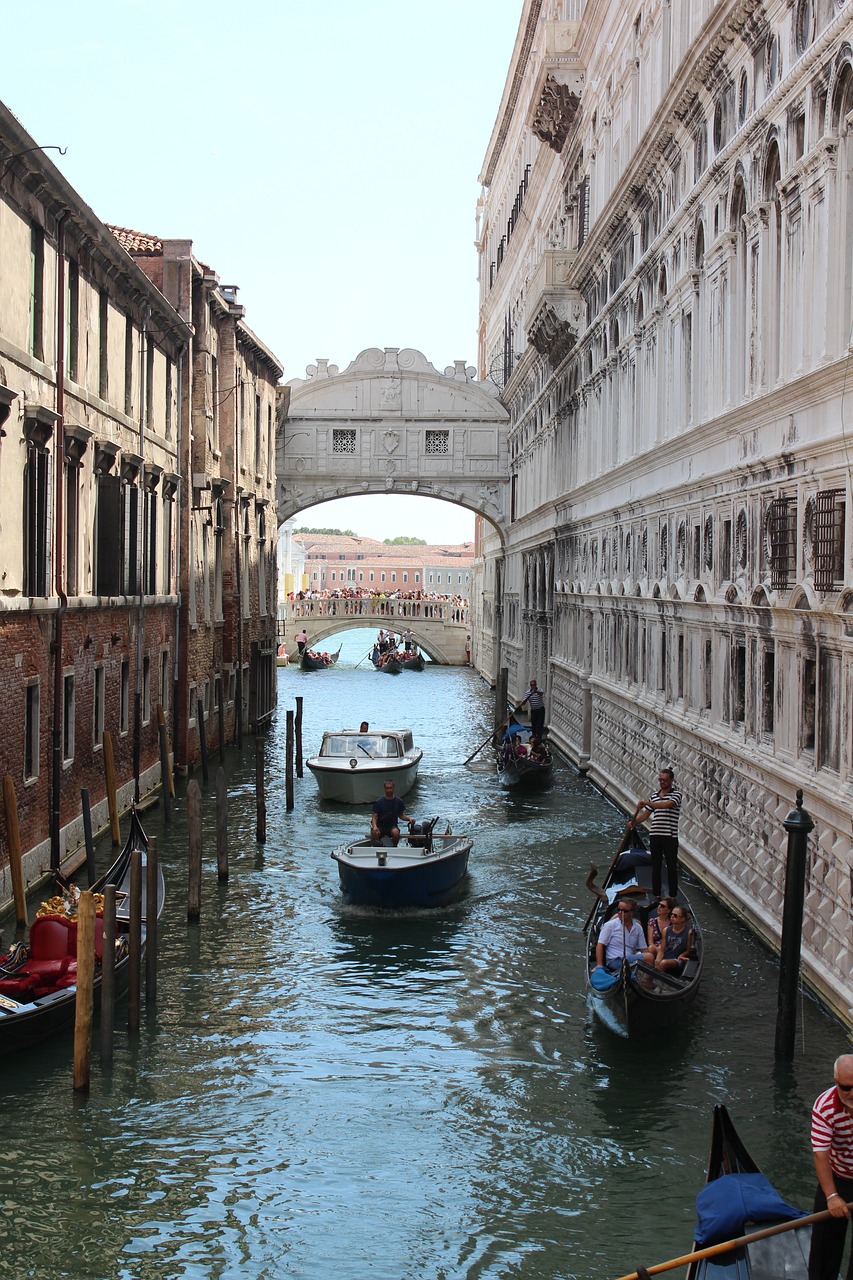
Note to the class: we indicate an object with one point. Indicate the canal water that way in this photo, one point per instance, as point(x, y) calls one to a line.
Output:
point(326, 1094)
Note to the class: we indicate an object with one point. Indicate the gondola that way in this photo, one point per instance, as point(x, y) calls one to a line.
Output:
point(639, 999)
point(308, 662)
point(38, 993)
point(391, 666)
point(414, 663)
point(424, 870)
point(516, 768)
point(774, 1258)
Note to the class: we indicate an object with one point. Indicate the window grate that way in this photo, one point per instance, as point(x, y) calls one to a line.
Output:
point(437, 442)
point(782, 541)
point(343, 440)
point(829, 540)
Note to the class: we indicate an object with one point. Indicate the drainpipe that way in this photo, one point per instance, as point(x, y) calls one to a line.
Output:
point(179, 539)
point(59, 552)
point(141, 558)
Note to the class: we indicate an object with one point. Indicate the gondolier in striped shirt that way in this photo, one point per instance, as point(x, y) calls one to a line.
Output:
point(536, 704)
point(832, 1146)
point(662, 809)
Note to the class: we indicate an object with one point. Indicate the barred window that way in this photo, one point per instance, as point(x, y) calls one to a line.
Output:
point(343, 440)
point(829, 540)
point(781, 541)
point(438, 442)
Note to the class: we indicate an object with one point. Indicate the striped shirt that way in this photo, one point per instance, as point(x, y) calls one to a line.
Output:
point(832, 1131)
point(535, 699)
point(664, 822)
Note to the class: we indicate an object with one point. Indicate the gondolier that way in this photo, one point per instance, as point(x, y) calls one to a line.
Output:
point(832, 1146)
point(301, 638)
point(535, 700)
point(663, 808)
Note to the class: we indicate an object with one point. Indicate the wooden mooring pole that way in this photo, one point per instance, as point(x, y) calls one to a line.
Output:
point(134, 941)
point(288, 763)
point(108, 974)
point(298, 728)
point(798, 824)
point(202, 738)
point(221, 824)
point(167, 782)
point(16, 862)
point(194, 851)
point(110, 775)
point(84, 1003)
point(260, 791)
point(87, 835)
point(151, 922)
point(501, 689)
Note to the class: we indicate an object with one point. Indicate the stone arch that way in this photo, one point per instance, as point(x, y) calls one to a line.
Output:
point(840, 102)
point(699, 245)
point(392, 423)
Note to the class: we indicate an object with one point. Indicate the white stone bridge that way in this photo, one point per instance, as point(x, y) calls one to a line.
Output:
point(391, 423)
point(440, 627)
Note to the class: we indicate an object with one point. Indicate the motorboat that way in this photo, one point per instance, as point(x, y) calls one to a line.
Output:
point(423, 870)
point(351, 765)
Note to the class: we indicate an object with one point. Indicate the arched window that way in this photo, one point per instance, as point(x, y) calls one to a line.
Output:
point(770, 194)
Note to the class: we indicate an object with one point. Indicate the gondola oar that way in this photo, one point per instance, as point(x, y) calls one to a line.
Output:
point(367, 655)
point(488, 738)
point(714, 1249)
point(623, 846)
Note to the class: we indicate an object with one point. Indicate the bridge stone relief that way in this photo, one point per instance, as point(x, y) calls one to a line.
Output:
point(391, 423)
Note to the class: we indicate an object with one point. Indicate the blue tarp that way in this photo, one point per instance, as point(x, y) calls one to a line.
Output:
point(602, 980)
point(724, 1206)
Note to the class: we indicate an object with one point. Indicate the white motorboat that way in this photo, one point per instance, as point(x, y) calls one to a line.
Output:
point(351, 765)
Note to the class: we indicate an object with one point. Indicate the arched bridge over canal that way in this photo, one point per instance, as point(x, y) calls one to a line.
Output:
point(391, 423)
point(439, 627)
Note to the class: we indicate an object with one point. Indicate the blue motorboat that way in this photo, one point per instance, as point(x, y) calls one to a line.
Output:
point(424, 870)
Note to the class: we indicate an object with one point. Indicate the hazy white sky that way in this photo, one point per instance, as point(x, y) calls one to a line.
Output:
point(322, 157)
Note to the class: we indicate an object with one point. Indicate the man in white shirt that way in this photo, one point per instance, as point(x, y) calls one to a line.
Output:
point(621, 938)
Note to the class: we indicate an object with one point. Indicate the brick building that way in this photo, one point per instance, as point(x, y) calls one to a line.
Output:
point(227, 546)
point(339, 562)
point(91, 364)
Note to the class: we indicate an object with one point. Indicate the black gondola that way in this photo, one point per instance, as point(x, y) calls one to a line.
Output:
point(784, 1255)
point(38, 993)
point(639, 999)
point(413, 663)
point(309, 660)
point(392, 666)
point(516, 767)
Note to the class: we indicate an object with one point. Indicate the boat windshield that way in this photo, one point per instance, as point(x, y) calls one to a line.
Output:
point(360, 744)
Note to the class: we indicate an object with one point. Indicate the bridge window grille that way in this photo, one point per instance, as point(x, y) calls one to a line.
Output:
point(437, 442)
point(829, 540)
point(782, 541)
point(343, 440)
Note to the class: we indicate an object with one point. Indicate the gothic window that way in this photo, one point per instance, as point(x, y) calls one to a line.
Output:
point(708, 543)
point(772, 61)
point(743, 98)
point(741, 539)
point(664, 549)
point(804, 25)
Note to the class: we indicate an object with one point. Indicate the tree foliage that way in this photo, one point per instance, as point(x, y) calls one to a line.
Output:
point(405, 542)
point(338, 533)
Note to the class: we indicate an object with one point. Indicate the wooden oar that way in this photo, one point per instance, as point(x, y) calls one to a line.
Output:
point(488, 738)
point(714, 1249)
point(367, 655)
point(623, 846)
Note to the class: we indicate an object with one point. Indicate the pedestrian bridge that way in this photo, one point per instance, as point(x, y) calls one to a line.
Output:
point(441, 628)
point(392, 424)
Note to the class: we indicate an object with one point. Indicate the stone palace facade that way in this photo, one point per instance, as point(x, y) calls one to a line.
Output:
point(665, 255)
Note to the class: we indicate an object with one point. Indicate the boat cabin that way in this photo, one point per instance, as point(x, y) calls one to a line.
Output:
point(383, 745)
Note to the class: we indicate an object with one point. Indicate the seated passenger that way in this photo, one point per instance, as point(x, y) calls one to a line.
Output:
point(674, 950)
point(621, 938)
point(538, 752)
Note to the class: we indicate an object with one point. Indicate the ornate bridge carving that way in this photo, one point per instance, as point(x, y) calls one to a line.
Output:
point(391, 423)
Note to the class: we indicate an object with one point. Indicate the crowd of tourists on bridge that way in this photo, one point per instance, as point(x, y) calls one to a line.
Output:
point(351, 602)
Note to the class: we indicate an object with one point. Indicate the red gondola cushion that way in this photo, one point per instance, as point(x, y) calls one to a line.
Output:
point(52, 937)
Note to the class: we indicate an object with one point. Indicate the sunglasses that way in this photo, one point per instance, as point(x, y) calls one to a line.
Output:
point(843, 1088)
point(627, 911)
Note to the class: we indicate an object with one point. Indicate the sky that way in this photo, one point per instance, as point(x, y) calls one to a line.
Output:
point(322, 157)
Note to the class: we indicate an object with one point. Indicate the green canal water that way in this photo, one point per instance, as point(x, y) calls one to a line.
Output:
point(329, 1095)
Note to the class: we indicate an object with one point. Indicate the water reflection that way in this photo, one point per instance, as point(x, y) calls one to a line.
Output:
point(327, 1090)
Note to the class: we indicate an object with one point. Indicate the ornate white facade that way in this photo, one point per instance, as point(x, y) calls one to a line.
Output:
point(665, 268)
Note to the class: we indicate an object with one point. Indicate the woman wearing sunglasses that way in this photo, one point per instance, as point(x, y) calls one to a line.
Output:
point(674, 949)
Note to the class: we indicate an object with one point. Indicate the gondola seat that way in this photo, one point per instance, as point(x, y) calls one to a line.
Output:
point(52, 962)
